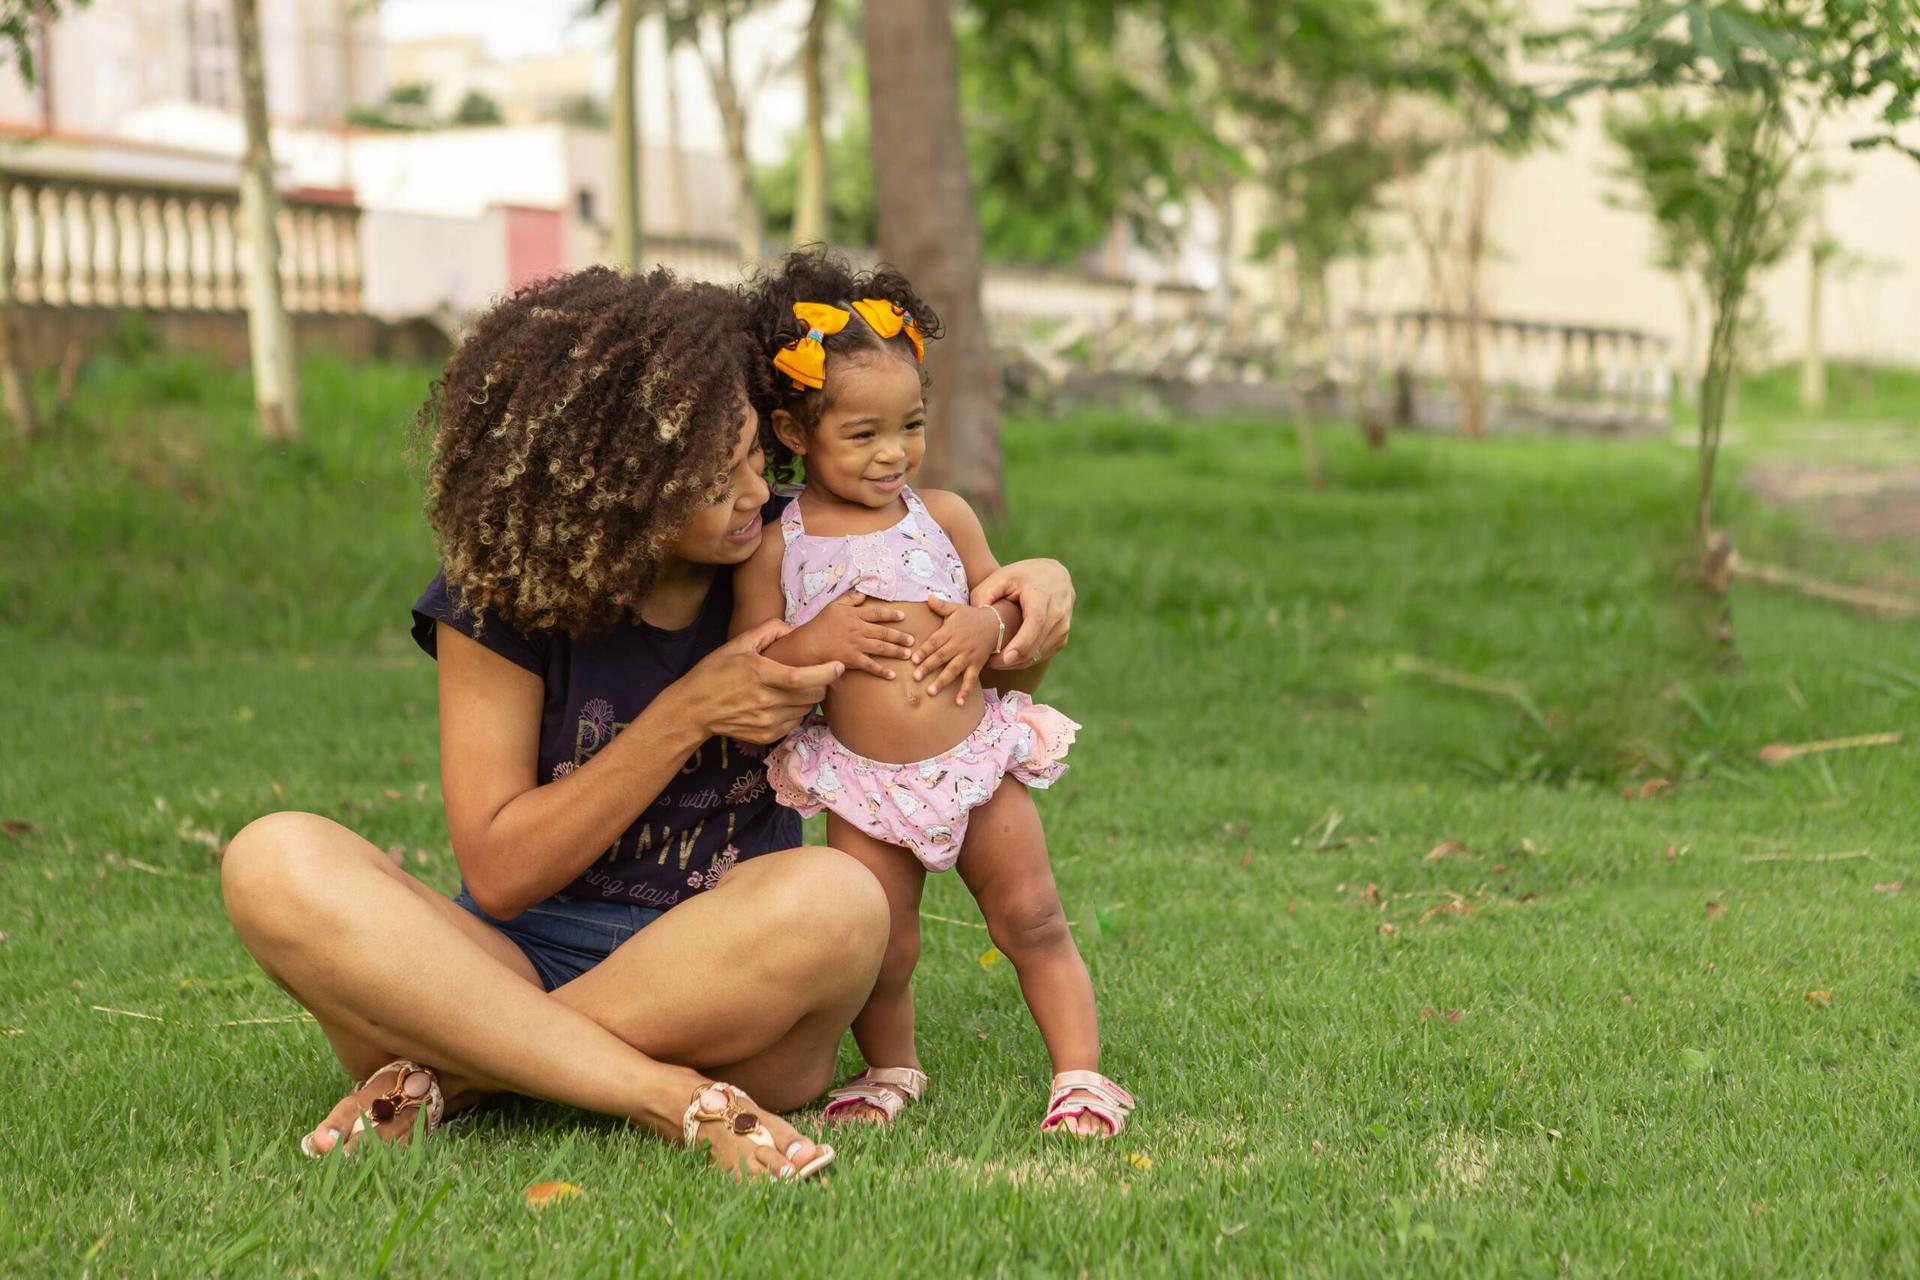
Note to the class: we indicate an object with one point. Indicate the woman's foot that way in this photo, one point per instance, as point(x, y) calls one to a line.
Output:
point(746, 1141)
point(387, 1104)
point(875, 1096)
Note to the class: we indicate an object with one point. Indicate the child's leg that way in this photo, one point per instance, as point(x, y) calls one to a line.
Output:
point(1004, 864)
point(884, 1029)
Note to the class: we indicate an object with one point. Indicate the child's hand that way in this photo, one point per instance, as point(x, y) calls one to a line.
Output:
point(852, 631)
point(966, 639)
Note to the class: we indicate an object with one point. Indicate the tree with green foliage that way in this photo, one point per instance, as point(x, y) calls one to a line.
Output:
point(477, 108)
point(1752, 75)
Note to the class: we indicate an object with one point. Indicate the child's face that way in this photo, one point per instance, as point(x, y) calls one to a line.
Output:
point(870, 440)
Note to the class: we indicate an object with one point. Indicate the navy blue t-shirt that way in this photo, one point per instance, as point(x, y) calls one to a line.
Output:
point(720, 808)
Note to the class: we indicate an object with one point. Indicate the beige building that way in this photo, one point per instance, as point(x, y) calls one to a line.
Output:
point(103, 63)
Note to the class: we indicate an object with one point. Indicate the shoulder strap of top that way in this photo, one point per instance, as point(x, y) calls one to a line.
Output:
point(790, 525)
point(914, 504)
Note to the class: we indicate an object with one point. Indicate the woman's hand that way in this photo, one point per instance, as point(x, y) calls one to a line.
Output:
point(851, 630)
point(1044, 591)
point(960, 648)
point(738, 692)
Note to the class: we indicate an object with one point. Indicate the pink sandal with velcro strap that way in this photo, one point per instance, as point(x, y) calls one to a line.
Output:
point(869, 1089)
point(1106, 1102)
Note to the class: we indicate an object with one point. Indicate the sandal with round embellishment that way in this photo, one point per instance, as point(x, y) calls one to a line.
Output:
point(885, 1089)
point(392, 1105)
point(1103, 1099)
point(719, 1103)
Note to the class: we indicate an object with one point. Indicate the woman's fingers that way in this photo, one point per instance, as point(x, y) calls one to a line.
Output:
point(1036, 619)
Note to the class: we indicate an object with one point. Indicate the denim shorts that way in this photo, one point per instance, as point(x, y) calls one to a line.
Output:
point(564, 937)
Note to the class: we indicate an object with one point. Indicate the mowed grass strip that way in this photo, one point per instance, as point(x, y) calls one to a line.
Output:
point(1402, 978)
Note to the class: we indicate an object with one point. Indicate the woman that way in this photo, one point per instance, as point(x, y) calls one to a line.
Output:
point(636, 931)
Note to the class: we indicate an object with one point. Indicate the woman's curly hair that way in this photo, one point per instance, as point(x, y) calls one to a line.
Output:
point(573, 434)
point(817, 274)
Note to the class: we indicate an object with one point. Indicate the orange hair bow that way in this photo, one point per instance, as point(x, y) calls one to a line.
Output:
point(805, 359)
point(888, 318)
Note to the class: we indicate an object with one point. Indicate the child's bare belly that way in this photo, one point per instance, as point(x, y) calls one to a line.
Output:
point(894, 720)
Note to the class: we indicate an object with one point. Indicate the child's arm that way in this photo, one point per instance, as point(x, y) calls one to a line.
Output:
point(849, 630)
point(970, 634)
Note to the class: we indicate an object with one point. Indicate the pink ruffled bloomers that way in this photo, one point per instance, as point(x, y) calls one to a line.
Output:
point(924, 804)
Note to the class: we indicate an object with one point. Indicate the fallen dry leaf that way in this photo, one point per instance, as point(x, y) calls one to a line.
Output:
point(1448, 849)
point(1386, 927)
point(1372, 894)
point(1653, 787)
point(1445, 909)
point(391, 793)
point(1140, 1160)
point(1451, 1015)
point(14, 830)
point(1890, 888)
point(1820, 999)
point(1776, 753)
point(1246, 859)
point(1714, 909)
point(542, 1194)
point(989, 958)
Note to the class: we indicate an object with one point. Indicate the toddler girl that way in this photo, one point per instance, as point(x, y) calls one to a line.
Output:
point(918, 767)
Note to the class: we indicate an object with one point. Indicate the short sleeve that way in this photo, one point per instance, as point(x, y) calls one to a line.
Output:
point(441, 603)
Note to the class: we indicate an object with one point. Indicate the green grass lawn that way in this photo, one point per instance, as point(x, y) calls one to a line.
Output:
point(1579, 1040)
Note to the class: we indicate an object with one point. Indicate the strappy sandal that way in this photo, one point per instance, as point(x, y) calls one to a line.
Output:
point(1107, 1102)
point(391, 1105)
point(868, 1089)
point(716, 1103)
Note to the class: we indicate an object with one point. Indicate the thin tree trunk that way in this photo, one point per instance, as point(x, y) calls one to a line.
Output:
point(1813, 357)
point(810, 204)
point(275, 391)
point(625, 246)
point(928, 228)
point(733, 116)
point(682, 216)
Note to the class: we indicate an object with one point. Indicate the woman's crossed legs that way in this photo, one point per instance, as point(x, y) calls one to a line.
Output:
point(752, 982)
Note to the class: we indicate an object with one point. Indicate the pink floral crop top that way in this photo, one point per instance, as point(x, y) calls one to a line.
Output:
point(910, 560)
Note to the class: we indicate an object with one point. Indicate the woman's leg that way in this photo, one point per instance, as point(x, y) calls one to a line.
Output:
point(755, 980)
point(393, 970)
point(1004, 864)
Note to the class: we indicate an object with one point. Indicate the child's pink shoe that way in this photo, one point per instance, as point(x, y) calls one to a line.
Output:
point(1101, 1098)
point(869, 1088)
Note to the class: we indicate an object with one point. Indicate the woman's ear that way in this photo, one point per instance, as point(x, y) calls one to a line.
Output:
point(787, 429)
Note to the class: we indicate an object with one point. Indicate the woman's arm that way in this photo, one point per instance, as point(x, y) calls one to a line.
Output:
point(519, 841)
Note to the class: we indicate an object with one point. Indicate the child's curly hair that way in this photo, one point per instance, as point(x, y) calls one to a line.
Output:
point(572, 435)
point(817, 274)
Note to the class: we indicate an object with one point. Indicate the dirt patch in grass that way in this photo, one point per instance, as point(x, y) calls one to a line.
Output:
point(1859, 503)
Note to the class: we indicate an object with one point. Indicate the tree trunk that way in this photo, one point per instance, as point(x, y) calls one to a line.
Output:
point(625, 246)
point(275, 391)
point(733, 115)
point(928, 229)
point(682, 215)
point(810, 204)
point(1813, 358)
point(16, 380)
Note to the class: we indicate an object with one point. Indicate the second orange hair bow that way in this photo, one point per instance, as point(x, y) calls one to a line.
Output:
point(889, 318)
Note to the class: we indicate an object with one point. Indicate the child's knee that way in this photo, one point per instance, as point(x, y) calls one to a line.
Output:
point(1030, 925)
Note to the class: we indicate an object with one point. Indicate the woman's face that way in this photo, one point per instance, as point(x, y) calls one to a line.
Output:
point(726, 529)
